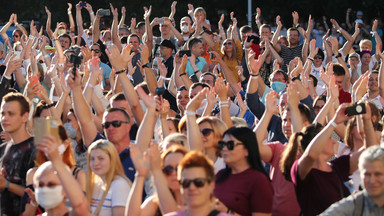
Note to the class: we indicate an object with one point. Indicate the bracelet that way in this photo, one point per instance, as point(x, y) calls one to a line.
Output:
point(7, 186)
point(189, 113)
point(47, 56)
point(373, 32)
point(54, 39)
point(310, 58)
point(129, 77)
point(120, 71)
point(50, 105)
point(254, 75)
point(16, 23)
point(258, 20)
point(90, 85)
point(338, 55)
point(340, 29)
point(182, 74)
point(196, 71)
point(333, 124)
point(69, 12)
point(91, 12)
point(33, 204)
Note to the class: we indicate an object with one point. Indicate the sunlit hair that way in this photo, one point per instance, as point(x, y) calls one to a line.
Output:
point(234, 54)
point(115, 169)
point(200, 10)
point(197, 159)
point(296, 146)
point(68, 157)
point(218, 126)
point(371, 154)
point(367, 43)
point(18, 97)
point(174, 139)
point(173, 149)
point(348, 136)
point(43, 169)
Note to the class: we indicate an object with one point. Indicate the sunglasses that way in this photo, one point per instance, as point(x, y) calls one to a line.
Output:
point(317, 57)
point(198, 182)
point(168, 170)
point(206, 131)
point(230, 144)
point(228, 43)
point(95, 50)
point(15, 36)
point(115, 124)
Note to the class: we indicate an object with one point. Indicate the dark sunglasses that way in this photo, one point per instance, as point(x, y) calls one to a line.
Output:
point(206, 131)
point(115, 124)
point(230, 144)
point(15, 35)
point(198, 182)
point(228, 43)
point(317, 57)
point(168, 170)
point(95, 50)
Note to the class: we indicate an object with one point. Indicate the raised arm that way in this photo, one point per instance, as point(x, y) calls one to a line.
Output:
point(173, 10)
point(333, 96)
point(194, 137)
point(276, 35)
point(148, 35)
point(222, 92)
point(348, 45)
point(96, 27)
point(293, 104)
point(317, 145)
point(72, 188)
point(379, 43)
point(271, 108)
point(90, 11)
point(82, 109)
point(257, 18)
point(123, 15)
point(20, 26)
point(70, 17)
point(48, 24)
point(3, 30)
point(119, 63)
point(114, 34)
point(381, 73)
point(79, 23)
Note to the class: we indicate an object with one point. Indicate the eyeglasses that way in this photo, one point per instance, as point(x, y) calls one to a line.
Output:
point(206, 131)
point(230, 144)
point(198, 182)
point(95, 50)
point(228, 43)
point(317, 57)
point(168, 170)
point(115, 124)
point(15, 36)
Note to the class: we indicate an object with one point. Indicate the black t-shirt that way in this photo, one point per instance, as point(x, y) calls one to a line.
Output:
point(18, 159)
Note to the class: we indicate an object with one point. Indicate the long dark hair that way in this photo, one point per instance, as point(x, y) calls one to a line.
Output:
point(297, 145)
point(248, 138)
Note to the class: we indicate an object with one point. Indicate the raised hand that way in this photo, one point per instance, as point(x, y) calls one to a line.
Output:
point(295, 17)
point(149, 100)
point(221, 89)
point(293, 96)
point(195, 103)
point(271, 105)
point(147, 12)
point(258, 14)
point(140, 160)
point(255, 64)
point(333, 88)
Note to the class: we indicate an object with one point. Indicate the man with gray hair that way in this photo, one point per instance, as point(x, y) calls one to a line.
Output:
point(370, 201)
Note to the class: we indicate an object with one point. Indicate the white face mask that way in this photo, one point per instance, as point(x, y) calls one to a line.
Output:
point(61, 149)
point(185, 29)
point(49, 198)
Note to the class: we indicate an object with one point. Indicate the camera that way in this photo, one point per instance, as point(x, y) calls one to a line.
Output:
point(160, 91)
point(356, 109)
point(76, 61)
point(256, 40)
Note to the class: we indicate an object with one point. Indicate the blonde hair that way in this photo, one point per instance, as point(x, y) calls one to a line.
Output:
point(200, 10)
point(115, 169)
point(218, 126)
point(366, 42)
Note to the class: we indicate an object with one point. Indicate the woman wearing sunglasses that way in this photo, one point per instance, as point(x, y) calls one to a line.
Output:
point(164, 171)
point(107, 185)
point(205, 132)
point(197, 179)
point(243, 186)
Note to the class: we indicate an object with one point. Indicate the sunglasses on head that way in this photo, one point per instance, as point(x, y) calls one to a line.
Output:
point(206, 131)
point(228, 43)
point(198, 182)
point(95, 50)
point(115, 124)
point(230, 144)
point(168, 170)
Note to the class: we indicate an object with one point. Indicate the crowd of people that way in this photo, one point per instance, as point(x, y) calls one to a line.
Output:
point(104, 118)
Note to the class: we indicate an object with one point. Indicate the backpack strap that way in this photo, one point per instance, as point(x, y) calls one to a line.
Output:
point(358, 200)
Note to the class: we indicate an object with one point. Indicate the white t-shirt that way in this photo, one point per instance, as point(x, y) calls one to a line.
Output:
point(219, 164)
point(375, 100)
point(321, 87)
point(117, 195)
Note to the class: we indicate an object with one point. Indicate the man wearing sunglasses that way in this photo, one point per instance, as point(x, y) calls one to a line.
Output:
point(96, 52)
point(116, 124)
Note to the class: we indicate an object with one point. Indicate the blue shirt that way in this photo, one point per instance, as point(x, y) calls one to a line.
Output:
point(106, 72)
point(200, 62)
